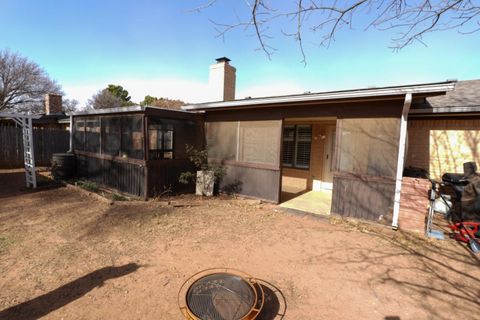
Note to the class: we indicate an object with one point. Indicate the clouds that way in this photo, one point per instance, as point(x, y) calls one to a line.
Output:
point(175, 88)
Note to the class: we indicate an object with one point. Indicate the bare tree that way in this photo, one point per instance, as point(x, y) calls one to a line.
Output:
point(23, 83)
point(411, 20)
point(104, 99)
point(69, 105)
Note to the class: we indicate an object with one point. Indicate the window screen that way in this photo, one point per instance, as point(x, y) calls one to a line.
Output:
point(369, 146)
point(79, 134)
point(258, 142)
point(92, 134)
point(160, 140)
point(111, 135)
point(244, 141)
point(132, 137)
point(222, 140)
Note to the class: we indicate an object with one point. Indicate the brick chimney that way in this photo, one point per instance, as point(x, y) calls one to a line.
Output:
point(222, 80)
point(53, 104)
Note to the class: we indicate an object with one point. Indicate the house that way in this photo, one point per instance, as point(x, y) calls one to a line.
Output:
point(444, 131)
point(50, 135)
point(352, 142)
point(136, 150)
point(351, 146)
point(52, 117)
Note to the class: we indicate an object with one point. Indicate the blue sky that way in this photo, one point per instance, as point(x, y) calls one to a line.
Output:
point(161, 48)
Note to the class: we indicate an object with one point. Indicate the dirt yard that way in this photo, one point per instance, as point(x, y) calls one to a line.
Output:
point(65, 254)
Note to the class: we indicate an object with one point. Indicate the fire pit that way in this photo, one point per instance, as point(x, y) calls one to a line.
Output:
point(222, 294)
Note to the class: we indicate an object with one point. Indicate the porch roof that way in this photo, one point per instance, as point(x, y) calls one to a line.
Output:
point(385, 93)
point(130, 109)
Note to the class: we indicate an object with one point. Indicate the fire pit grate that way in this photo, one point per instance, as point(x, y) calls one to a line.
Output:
point(222, 295)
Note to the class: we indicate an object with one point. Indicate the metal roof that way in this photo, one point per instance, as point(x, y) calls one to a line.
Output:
point(124, 110)
point(110, 110)
point(427, 88)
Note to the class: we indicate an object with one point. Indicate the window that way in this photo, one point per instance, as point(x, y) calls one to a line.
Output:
point(160, 140)
point(369, 146)
point(244, 141)
point(297, 143)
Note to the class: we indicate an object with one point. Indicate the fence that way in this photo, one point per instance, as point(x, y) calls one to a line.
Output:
point(46, 142)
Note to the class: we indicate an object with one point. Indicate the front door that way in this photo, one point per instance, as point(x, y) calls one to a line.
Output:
point(327, 180)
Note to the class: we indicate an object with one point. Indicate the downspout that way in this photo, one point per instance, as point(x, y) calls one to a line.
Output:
point(401, 159)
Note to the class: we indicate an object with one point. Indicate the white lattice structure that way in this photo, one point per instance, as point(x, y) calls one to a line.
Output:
point(25, 121)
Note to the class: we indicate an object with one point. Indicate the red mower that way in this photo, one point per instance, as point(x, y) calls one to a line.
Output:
point(458, 198)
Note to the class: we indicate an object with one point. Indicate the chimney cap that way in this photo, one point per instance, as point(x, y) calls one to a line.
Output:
point(223, 59)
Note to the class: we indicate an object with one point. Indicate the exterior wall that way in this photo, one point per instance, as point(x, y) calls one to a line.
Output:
point(250, 152)
point(413, 204)
point(443, 145)
point(369, 198)
point(253, 182)
point(372, 109)
point(377, 194)
point(124, 176)
point(296, 180)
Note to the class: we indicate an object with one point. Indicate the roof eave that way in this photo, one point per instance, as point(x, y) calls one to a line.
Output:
point(433, 88)
point(110, 110)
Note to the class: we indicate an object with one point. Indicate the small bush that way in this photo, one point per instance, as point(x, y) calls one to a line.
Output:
point(200, 160)
point(88, 185)
point(118, 197)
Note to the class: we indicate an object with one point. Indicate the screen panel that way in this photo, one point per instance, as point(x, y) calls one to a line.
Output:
point(79, 134)
point(369, 146)
point(222, 140)
point(259, 142)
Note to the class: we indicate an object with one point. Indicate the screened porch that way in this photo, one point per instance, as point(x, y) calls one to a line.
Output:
point(140, 153)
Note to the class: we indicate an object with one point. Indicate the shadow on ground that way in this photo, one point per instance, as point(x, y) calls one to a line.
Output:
point(433, 277)
point(275, 304)
point(53, 300)
point(12, 183)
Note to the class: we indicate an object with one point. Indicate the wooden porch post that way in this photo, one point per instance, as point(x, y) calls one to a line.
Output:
point(401, 158)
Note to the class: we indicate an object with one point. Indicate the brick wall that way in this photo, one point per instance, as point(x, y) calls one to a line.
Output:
point(53, 104)
point(441, 146)
point(413, 204)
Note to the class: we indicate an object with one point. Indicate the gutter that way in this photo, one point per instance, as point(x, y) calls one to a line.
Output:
point(325, 96)
point(435, 110)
